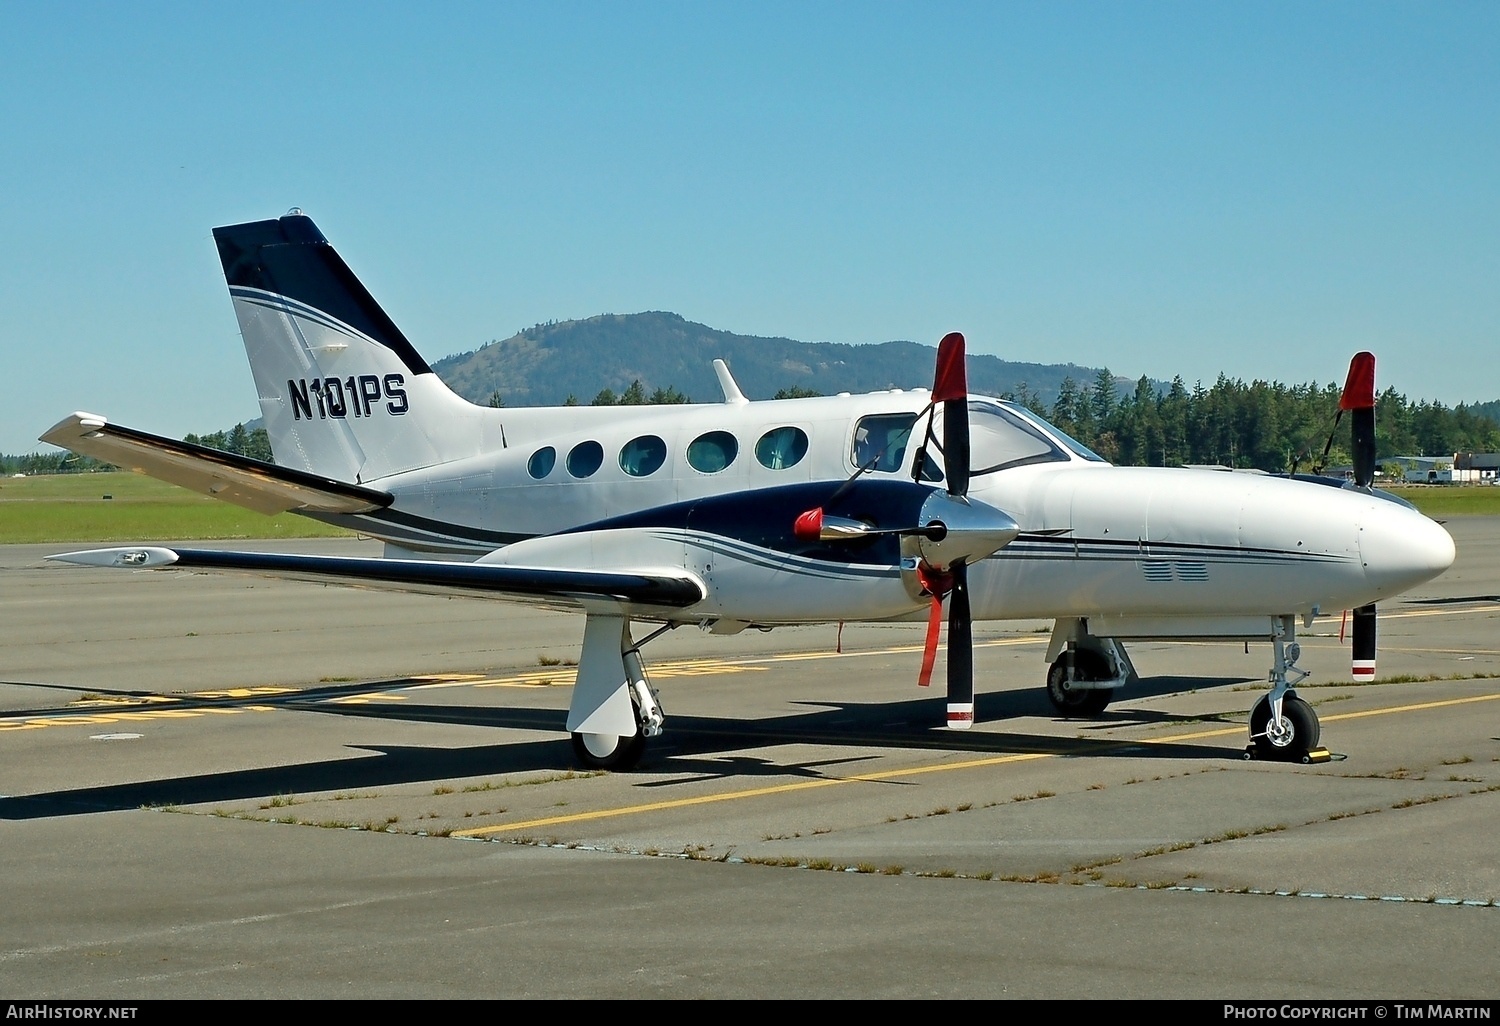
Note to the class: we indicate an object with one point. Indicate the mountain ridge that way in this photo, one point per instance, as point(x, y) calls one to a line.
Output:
point(545, 364)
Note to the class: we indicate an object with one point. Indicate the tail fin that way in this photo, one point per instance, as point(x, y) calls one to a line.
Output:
point(343, 393)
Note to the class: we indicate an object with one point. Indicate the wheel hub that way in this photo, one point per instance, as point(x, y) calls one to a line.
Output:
point(1280, 733)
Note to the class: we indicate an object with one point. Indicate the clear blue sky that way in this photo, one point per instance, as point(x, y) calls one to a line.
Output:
point(1160, 188)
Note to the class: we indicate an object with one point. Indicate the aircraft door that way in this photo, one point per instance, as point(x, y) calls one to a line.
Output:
point(700, 548)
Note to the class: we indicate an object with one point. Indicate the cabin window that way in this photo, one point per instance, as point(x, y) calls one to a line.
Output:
point(642, 456)
point(880, 441)
point(712, 452)
point(541, 463)
point(781, 448)
point(585, 458)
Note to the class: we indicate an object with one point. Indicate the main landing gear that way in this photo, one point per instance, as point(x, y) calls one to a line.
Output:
point(1067, 681)
point(614, 708)
point(1086, 670)
point(1282, 725)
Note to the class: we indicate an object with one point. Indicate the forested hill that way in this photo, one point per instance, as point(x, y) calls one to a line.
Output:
point(544, 365)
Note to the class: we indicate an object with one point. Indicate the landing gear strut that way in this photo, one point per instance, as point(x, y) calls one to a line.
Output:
point(1282, 725)
point(614, 708)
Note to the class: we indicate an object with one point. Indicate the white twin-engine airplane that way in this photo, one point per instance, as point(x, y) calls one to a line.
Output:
point(743, 514)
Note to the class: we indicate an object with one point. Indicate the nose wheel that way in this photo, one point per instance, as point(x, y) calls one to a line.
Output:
point(1291, 738)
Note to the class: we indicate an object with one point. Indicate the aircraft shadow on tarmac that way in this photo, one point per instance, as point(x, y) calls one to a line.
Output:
point(694, 748)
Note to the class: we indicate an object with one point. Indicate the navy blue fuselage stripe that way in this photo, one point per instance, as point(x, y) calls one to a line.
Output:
point(764, 517)
point(439, 527)
point(290, 257)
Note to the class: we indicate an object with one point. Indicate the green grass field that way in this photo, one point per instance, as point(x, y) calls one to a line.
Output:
point(1440, 502)
point(72, 508)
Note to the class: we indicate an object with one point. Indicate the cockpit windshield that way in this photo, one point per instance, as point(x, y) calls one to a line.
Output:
point(999, 439)
point(1003, 435)
point(1072, 443)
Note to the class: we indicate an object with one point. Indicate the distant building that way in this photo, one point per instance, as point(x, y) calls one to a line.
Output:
point(1460, 468)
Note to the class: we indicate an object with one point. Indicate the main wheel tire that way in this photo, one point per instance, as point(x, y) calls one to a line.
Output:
point(1298, 736)
point(1087, 665)
point(609, 751)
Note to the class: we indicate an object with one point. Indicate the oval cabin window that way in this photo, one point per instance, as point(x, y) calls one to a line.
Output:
point(585, 458)
point(541, 463)
point(781, 448)
point(642, 456)
point(712, 452)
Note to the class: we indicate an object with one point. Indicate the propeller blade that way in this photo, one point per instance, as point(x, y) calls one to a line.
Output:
point(950, 387)
point(1363, 666)
point(960, 652)
point(1359, 399)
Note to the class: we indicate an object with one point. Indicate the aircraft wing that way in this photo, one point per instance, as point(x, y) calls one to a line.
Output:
point(263, 487)
point(670, 587)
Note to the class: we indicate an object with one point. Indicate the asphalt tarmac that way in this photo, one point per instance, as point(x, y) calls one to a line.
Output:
point(229, 787)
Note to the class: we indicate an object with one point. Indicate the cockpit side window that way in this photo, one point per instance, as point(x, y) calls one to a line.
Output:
point(880, 441)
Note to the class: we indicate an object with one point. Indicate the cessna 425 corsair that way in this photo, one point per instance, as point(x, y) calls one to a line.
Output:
point(739, 514)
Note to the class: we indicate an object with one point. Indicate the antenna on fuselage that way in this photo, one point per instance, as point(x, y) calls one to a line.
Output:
point(732, 393)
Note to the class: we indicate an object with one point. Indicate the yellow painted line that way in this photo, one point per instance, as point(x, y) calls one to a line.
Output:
point(565, 676)
point(1222, 731)
point(755, 792)
point(1440, 651)
point(1490, 608)
point(946, 767)
point(1410, 708)
point(36, 723)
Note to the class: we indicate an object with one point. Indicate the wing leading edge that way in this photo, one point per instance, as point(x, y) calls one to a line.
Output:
point(670, 588)
point(263, 487)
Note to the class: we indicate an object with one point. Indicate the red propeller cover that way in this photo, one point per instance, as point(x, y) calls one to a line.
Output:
point(951, 381)
point(1359, 387)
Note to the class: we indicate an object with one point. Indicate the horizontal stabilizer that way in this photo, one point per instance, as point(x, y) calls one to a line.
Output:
point(263, 487)
point(669, 587)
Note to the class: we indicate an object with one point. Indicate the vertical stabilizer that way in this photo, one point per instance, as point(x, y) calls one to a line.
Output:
point(342, 391)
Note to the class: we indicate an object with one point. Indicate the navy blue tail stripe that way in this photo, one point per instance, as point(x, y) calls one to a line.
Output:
point(290, 257)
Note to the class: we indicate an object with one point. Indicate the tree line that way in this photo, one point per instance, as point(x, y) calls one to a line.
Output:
point(1260, 425)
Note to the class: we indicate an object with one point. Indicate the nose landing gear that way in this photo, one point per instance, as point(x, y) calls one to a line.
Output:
point(1282, 725)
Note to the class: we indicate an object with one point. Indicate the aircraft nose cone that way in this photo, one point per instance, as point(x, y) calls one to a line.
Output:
point(1400, 549)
